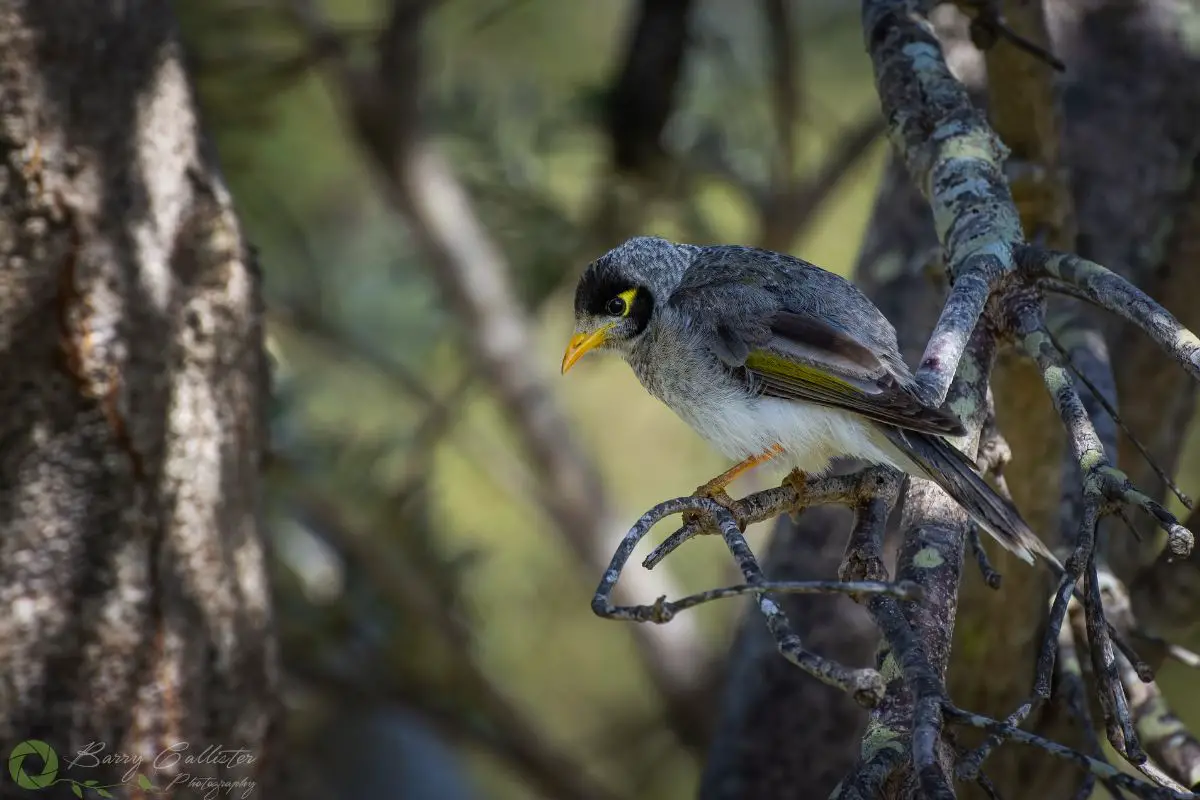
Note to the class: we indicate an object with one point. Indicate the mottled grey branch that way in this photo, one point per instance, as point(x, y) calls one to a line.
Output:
point(663, 611)
point(1167, 740)
point(863, 684)
point(1100, 479)
point(764, 505)
point(1100, 769)
point(1073, 696)
point(1111, 292)
point(956, 160)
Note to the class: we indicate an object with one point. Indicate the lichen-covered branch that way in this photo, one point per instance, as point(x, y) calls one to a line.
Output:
point(956, 161)
point(1115, 294)
point(863, 684)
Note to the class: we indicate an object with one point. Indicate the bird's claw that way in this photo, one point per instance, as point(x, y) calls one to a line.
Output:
point(798, 481)
point(715, 493)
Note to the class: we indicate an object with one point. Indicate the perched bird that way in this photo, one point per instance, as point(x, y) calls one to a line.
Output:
point(768, 358)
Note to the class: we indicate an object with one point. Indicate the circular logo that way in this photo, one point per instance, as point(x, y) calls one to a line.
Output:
point(33, 747)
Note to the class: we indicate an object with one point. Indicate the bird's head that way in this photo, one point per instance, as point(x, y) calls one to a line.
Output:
point(618, 294)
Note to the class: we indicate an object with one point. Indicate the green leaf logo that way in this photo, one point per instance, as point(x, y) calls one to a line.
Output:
point(33, 747)
point(144, 782)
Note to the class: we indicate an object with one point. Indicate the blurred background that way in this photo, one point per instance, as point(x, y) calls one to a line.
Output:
point(437, 635)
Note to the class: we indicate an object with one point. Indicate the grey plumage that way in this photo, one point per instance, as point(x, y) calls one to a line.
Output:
point(754, 348)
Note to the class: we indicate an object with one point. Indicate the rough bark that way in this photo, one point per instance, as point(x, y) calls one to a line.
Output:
point(1130, 142)
point(132, 572)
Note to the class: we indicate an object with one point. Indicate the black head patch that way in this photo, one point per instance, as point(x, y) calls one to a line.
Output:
point(604, 280)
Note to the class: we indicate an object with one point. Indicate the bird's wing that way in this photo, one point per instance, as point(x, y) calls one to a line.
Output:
point(783, 344)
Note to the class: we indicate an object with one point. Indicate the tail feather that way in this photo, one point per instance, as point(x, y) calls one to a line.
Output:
point(946, 466)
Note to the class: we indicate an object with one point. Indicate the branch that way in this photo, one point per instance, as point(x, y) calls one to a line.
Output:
point(1159, 401)
point(1110, 291)
point(864, 684)
point(917, 638)
point(955, 159)
point(1100, 769)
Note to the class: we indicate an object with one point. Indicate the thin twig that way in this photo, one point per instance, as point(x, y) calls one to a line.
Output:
point(990, 576)
point(764, 505)
point(864, 685)
point(1112, 412)
point(1110, 291)
point(1100, 769)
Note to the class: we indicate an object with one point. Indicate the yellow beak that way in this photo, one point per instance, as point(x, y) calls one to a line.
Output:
point(580, 344)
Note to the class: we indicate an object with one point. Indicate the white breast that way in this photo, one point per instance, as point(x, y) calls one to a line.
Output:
point(740, 424)
point(811, 435)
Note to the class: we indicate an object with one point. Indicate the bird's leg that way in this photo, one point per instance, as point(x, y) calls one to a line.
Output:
point(715, 488)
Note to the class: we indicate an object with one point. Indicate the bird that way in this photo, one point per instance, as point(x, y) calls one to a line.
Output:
point(772, 359)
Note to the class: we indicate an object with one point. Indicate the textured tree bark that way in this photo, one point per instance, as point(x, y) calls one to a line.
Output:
point(1130, 143)
point(136, 610)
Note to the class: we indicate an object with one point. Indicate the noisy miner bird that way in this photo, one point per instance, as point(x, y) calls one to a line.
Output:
point(771, 358)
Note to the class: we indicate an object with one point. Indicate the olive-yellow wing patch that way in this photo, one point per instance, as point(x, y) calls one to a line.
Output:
point(882, 400)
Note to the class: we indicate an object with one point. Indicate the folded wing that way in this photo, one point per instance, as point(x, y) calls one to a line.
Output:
point(791, 344)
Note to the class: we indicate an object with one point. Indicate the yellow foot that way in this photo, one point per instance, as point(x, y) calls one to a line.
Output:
point(798, 480)
point(713, 490)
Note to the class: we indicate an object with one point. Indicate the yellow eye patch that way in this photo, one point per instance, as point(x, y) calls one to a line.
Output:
point(622, 304)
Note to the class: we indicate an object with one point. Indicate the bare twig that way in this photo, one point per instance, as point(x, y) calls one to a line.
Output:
point(1100, 769)
point(1113, 293)
point(864, 684)
point(990, 576)
point(989, 24)
point(1073, 695)
point(1167, 740)
point(1111, 410)
point(767, 504)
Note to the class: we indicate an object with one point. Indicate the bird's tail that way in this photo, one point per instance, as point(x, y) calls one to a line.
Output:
point(946, 466)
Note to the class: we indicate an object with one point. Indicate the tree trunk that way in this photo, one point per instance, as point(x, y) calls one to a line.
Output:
point(136, 611)
point(1130, 142)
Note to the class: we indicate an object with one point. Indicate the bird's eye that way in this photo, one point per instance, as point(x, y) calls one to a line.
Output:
point(616, 307)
